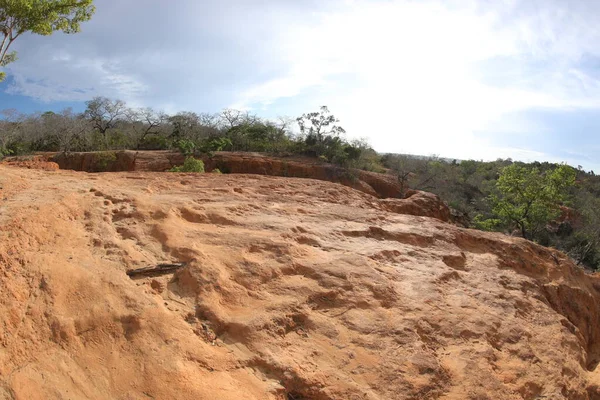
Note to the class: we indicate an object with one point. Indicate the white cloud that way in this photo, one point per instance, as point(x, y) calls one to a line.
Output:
point(412, 77)
point(184, 57)
point(90, 77)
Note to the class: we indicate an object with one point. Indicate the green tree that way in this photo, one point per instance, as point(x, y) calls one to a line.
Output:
point(319, 125)
point(322, 134)
point(41, 17)
point(528, 199)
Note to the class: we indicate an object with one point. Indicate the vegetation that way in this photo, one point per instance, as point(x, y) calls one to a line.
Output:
point(42, 17)
point(190, 165)
point(104, 160)
point(108, 124)
point(552, 204)
point(528, 199)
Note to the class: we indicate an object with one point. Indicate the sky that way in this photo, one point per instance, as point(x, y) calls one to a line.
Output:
point(465, 79)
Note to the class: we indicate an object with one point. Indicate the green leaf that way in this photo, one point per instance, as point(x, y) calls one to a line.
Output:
point(42, 17)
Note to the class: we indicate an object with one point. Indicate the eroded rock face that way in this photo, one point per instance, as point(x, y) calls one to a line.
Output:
point(100, 161)
point(251, 163)
point(380, 185)
point(293, 289)
point(420, 204)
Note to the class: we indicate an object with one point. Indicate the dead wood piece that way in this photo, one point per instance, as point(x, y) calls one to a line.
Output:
point(155, 270)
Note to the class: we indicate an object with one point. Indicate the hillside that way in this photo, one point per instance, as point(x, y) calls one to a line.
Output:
point(292, 289)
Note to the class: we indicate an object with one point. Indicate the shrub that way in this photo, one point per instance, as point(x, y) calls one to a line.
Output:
point(190, 165)
point(486, 224)
point(104, 160)
point(154, 142)
point(4, 152)
point(186, 147)
point(216, 171)
point(19, 147)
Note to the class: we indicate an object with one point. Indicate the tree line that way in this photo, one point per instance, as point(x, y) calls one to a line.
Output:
point(108, 124)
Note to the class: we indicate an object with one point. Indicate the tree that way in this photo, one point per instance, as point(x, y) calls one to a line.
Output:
point(403, 167)
point(66, 128)
point(321, 136)
point(186, 126)
point(528, 199)
point(583, 245)
point(10, 126)
point(104, 113)
point(318, 125)
point(230, 118)
point(210, 122)
point(255, 136)
point(42, 17)
point(430, 172)
point(284, 125)
point(144, 122)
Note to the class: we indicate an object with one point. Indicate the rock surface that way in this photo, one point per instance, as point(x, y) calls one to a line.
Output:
point(293, 289)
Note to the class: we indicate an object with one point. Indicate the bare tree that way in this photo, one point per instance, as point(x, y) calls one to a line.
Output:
point(185, 125)
point(10, 128)
point(66, 127)
point(209, 120)
point(144, 122)
point(230, 118)
point(209, 124)
point(403, 167)
point(104, 114)
point(429, 171)
point(284, 125)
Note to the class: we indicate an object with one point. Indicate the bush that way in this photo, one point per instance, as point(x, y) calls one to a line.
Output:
point(186, 147)
point(104, 160)
point(216, 171)
point(154, 142)
point(4, 152)
point(485, 224)
point(215, 144)
point(18, 148)
point(190, 165)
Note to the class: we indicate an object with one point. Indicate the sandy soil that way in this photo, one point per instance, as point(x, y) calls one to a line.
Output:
point(294, 289)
